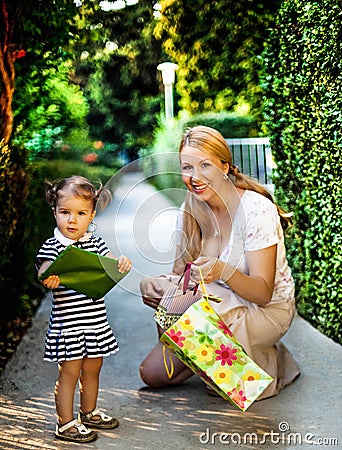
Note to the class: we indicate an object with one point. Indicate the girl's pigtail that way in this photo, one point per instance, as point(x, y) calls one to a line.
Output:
point(103, 198)
point(51, 193)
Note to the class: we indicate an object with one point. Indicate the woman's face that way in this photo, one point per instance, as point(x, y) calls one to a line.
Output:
point(202, 174)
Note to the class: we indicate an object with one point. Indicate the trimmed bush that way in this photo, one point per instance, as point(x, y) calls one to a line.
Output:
point(303, 111)
point(230, 124)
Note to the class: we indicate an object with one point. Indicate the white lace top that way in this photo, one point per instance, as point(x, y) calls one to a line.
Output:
point(256, 226)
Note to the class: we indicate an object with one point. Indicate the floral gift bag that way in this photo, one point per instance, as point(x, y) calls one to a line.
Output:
point(205, 344)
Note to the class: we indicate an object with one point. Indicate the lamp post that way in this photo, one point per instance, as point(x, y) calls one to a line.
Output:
point(168, 70)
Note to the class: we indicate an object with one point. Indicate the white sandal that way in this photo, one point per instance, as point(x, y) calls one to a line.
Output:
point(103, 421)
point(82, 433)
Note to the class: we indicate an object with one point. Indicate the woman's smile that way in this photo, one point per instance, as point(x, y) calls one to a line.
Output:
point(199, 188)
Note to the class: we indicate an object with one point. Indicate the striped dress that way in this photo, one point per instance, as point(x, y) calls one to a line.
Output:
point(78, 325)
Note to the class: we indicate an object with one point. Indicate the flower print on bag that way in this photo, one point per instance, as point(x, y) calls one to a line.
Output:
point(226, 354)
point(205, 336)
point(185, 322)
point(176, 337)
point(206, 307)
point(250, 375)
point(222, 375)
point(205, 353)
point(238, 397)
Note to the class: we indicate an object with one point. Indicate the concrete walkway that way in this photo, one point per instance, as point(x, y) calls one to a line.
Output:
point(139, 223)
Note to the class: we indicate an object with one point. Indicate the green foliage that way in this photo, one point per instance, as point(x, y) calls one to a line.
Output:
point(230, 124)
point(13, 192)
point(44, 143)
point(60, 110)
point(116, 66)
point(303, 84)
point(217, 46)
point(44, 30)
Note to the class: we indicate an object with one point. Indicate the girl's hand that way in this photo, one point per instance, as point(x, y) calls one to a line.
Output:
point(124, 264)
point(51, 282)
point(211, 269)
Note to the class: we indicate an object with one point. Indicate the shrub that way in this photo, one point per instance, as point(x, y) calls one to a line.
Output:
point(230, 124)
point(13, 192)
point(303, 84)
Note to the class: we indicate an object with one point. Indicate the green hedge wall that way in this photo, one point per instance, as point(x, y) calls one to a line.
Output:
point(303, 110)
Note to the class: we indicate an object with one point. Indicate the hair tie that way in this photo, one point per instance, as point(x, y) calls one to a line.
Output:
point(234, 170)
point(98, 193)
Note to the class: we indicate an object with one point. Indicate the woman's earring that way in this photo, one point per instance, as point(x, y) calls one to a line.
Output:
point(225, 176)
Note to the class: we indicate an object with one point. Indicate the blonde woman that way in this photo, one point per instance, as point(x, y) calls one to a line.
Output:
point(231, 229)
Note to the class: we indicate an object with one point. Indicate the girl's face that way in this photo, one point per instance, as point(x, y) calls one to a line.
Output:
point(73, 215)
point(202, 174)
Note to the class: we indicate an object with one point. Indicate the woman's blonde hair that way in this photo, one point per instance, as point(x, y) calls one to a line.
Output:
point(196, 223)
point(80, 187)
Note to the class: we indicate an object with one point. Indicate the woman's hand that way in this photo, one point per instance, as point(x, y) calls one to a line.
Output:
point(124, 264)
point(152, 291)
point(211, 269)
point(51, 282)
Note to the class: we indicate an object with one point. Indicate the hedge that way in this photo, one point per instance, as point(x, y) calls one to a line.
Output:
point(302, 82)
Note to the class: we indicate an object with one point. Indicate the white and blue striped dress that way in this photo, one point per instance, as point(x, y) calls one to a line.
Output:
point(78, 324)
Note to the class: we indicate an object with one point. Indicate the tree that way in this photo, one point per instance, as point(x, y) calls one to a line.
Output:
point(217, 46)
point(39, 34)
point(7, 57)
point(116, 66)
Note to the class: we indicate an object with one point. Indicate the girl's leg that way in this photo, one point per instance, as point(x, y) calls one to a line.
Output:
point(153, 371)
point(69, 373)
point(89, 383)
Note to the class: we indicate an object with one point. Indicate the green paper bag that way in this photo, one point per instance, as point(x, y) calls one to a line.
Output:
point(85, 272)
point(203, 342)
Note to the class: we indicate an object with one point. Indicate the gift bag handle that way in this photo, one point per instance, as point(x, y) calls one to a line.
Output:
point(186, 276)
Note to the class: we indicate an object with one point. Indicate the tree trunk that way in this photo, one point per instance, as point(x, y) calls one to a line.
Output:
point(7, 74)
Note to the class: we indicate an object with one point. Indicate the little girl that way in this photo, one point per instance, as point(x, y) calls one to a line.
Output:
point(79, 335)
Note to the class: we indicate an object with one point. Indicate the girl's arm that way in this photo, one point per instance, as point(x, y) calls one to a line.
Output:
point(51, 282)
point(124, 263)
point(256, 287)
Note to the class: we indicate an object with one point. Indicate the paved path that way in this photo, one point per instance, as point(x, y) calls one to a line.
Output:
point(183, 417)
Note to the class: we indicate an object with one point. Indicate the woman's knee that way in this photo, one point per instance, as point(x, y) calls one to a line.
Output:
point(151, 377)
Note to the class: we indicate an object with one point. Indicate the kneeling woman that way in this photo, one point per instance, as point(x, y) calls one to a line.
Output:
point(232, 230)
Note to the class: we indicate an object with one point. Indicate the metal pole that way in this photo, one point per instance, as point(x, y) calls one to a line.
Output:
point(168, 102)
point(168, 75)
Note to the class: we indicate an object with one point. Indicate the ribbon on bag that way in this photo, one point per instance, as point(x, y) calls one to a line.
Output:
point(177, 298)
